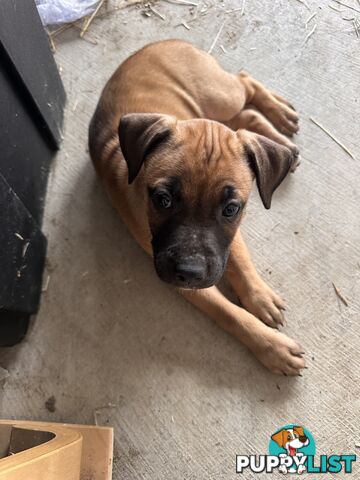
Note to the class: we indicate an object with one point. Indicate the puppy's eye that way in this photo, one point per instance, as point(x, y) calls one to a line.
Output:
point(231, 209)
point(162, 200)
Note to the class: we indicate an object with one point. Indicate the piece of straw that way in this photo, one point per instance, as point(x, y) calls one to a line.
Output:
point(233, 10)
point(332, 136)
point(304, 3)
point(156, 12)
point(310, 33)
point(24, 250)
point(91, 18)
point(346, 5)
point(243, 8)
point(356, 27)
point(51, 40)
point(46, 284)
point(335, 8)
point(310, 18)
point(217, 37)
point(182, 2)
point(340, 295)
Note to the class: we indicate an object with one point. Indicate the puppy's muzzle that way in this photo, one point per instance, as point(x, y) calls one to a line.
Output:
point(187, 271)
point(189, 256)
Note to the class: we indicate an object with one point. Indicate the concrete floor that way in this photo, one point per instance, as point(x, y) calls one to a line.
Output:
point(184, 396)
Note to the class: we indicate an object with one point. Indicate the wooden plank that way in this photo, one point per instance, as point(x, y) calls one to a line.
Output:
point(92, 461)
point(97, 452)
point(58, 459)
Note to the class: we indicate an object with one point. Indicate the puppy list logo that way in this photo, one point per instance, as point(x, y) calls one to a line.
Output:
point(292, 450)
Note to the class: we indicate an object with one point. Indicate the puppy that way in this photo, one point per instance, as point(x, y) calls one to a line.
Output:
point(177, 142)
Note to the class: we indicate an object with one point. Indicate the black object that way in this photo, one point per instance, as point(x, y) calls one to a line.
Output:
point(32, 99)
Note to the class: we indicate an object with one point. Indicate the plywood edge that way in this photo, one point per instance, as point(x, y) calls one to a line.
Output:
point(65, 439)
point(96, 448)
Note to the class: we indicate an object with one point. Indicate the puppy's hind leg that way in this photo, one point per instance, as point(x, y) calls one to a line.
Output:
point(254, 121)
point(278, 110)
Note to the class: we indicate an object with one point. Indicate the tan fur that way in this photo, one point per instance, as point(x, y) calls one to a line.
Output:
point(206, 106)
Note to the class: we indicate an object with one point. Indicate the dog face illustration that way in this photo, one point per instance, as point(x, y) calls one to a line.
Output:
point(291, 439)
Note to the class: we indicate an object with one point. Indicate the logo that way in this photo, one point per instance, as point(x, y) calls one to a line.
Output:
point(292, 450)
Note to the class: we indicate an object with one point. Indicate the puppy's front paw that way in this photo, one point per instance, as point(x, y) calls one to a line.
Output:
point(265, 304)
point(279, 353)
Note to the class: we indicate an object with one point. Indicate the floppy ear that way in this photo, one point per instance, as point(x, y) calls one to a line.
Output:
point(269, 161)
point(139, 135)
point(299, 431)
point(280, 438)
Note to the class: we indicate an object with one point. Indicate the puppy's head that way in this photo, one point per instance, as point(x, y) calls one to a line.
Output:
point(198, 175)
point(293, 438)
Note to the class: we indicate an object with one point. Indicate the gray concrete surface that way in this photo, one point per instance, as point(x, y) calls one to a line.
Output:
point(187, 397)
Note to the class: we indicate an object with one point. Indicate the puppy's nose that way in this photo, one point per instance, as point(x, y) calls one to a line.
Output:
point(187, 272)
point(303, 439)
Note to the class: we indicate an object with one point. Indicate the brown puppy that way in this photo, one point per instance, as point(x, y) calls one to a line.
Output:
point(193, 137)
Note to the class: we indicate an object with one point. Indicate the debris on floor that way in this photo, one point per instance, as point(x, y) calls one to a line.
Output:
point(62, 11)
point(344, 8)
point(50, 404)
point(333, 137)
point(46, 284)
point(310, 34)
point(83, 24)
point(98, 410)
point(4, 374)
point(340, 295)
point(304, 3)
point(216, 38)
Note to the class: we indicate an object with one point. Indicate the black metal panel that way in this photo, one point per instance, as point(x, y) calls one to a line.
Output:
point(31, 114)
point(22, 254)
point(27, 57)
point(25, 158)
